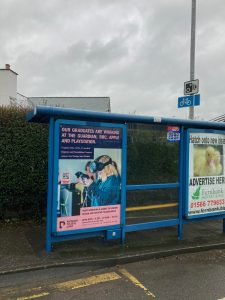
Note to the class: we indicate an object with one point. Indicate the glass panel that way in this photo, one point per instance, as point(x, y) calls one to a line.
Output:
point(151, 157)
point(166, 201)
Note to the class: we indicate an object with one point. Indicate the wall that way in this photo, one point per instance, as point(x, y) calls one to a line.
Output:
point(8, 86)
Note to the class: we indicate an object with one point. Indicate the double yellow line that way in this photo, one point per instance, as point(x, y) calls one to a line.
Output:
point(83, 282)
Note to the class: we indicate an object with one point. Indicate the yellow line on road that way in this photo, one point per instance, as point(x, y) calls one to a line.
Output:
point(146, 207)
point(33, 296)
point(136, 282)
point(83, 282)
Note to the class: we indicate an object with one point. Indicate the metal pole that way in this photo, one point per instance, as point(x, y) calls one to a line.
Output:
point(192, 52)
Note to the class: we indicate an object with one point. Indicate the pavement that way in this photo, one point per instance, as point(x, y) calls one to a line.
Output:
point(22, 246)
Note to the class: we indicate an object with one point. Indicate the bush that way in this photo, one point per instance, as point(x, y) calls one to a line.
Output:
point(23, 165)
point(24, 160)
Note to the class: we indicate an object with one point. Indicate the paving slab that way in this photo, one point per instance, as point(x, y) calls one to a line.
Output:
point(22, 246)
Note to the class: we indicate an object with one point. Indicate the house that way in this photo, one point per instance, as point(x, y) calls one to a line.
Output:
point(8, 86)
point(10, 96)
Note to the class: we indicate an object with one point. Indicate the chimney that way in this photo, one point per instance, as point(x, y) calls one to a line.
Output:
point(7, 66)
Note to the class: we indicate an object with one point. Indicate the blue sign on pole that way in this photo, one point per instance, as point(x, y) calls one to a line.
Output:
point(191, 100)
point(196, 99)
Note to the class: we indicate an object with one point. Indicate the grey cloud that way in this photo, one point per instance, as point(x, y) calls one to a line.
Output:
point(136, 52)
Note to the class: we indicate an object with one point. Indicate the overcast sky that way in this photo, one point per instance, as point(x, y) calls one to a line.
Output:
point(137, 52)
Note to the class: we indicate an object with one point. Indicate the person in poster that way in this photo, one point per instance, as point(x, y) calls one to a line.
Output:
point(105, 189)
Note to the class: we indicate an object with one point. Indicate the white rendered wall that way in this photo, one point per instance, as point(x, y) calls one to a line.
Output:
point(8, 86)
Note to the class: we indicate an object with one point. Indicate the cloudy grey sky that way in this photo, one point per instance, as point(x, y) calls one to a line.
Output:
point(137, 52)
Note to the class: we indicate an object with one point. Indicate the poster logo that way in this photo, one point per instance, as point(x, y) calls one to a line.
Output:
point(196, 194)
point(62, 224)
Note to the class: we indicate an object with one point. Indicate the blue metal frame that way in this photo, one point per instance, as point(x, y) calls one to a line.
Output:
point(56, 116)
point(189, 131)
point(69, 237)
point(138, 187)
point(42, 114)
point(123, 184)
point(163, 223)
point(153, 224)
point(181, 187)
point(97, 230)
point(50, 185)
point(205, 218)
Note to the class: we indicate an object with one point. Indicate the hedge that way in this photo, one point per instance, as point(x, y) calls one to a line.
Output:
point(23, 162)
point(23, 165)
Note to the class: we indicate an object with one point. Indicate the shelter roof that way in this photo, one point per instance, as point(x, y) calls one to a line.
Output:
point(43, 114)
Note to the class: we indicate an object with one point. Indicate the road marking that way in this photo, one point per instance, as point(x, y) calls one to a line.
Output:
point(221, 299)
point(136, 282)
point(72, 284)
point(33, 296)
point(146, 207)
point(83, 282)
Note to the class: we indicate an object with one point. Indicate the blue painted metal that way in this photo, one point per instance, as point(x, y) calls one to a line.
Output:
point(184, 171)
point(50, 185)
point(187, 101)
point(189, 131)
point(55, 176)
point(113, 234)
point(206, 215)
point(137, 187)
point(181, 170)
point(151, 225)
point(196, 99)
point(42, 114)
point(56, 239)
point(82, 231)
point(187, 140)
point(123, 184)
point(205, 218)
point(56, 170)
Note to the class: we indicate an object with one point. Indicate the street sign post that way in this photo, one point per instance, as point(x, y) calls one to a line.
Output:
point(187, 101)
point(191, 87)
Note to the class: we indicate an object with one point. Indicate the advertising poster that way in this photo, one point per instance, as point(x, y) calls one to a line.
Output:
point(206, 178)
point(89, 177)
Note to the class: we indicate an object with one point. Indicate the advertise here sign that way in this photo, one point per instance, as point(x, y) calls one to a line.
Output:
point(206, 176)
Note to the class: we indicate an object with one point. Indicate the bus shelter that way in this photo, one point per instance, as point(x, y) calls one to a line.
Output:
point(110, 174)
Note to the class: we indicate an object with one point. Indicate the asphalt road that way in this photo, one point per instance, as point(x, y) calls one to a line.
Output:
point(190, 276)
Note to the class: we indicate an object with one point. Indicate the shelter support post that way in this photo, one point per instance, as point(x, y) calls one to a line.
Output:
point(123, 184)
point(181, 186)
point(48, 245)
